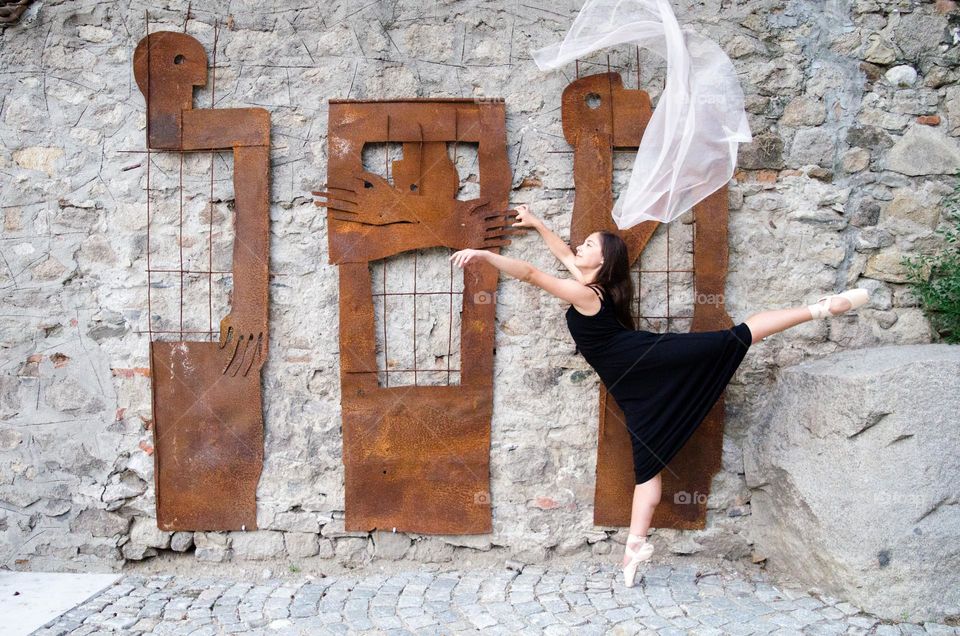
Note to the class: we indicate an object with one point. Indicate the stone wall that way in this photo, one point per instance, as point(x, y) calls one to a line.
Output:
point(854, 109)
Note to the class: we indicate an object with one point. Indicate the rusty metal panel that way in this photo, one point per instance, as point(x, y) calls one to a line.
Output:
point(416, 458)
point(599, 115)
point(204, 420)
point(208, 420)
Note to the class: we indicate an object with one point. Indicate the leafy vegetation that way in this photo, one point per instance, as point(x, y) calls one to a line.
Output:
point(935, 278)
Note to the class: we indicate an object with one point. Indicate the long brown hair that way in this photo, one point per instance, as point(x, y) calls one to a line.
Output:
point(614, 277)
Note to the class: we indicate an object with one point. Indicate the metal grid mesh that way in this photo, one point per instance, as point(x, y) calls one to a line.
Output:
point(189, 234)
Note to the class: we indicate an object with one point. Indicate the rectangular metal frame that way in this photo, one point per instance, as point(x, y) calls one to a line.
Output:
point(416, 458)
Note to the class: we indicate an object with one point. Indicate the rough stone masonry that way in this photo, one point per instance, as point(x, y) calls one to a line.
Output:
point(855, 111)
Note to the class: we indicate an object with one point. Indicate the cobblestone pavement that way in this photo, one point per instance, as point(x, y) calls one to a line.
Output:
point(672, 598)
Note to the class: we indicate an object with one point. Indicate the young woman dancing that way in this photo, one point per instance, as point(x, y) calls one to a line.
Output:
point(665, 383)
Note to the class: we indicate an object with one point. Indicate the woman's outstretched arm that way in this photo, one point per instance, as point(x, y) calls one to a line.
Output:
point(572, 291)
point(526, 218)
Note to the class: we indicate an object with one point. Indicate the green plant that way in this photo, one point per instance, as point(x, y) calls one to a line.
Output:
point(294, 569)
point(935, 278)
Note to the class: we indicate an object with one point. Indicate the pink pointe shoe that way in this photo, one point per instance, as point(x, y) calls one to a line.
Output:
point(856, 297)
point(637, 556)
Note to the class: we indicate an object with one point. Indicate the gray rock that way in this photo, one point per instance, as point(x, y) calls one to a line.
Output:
point(864, 212)
point(67, 395)
point(301, 544)
point(855, 160)
point(123, 486)
point(100, 523)
point(211, 546)
point(903, 75)
point(430, 549)
point(257, 545)
point(390, 545)
point(872, 238)
point(685, 545)
point(352, 550)
point(527, 464)
point(879, 50)
point(137, 551)
point(924, 150)
point(10, 439)
point(18, 497)
point(299, 521)
point(142, 465)
point(181, 541)
point(9, 398)
point(937, 76)
point(812, 146)
point(872, 137)
point(764, 152)
point(919, 101)
point(918, 33)
point(54, 507)
point(951, 104)
point(146, 533)
point(887, 265)
point(854, 495)
point(804, 111)
point(912, 211)
point(334, 529)
point(325, 549)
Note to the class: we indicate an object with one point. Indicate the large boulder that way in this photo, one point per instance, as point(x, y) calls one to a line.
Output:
point(853, 473)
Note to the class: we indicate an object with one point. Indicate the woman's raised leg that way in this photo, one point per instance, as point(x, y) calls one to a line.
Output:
point(776, 320)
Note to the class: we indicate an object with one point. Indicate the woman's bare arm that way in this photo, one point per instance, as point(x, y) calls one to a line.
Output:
point(557, 246)
point(573, 292)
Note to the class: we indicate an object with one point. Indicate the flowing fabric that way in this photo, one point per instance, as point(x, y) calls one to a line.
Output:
point(689, 148)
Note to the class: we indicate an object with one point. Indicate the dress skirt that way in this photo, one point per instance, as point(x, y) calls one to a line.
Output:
point(666, 384)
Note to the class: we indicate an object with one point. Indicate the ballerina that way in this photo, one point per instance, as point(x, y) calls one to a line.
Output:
point(665, 383)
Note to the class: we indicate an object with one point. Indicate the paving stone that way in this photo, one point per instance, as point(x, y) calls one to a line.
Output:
point(865, 621)
point(585, 600)
point(828, 628)
point(670, 611)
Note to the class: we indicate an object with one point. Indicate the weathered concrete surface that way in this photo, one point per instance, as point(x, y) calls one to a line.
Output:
point(853, 474)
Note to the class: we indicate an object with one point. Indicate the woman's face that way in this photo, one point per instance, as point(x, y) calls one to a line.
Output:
point(589, 253)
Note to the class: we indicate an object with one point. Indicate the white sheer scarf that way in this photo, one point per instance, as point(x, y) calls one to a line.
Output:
point(689, 148)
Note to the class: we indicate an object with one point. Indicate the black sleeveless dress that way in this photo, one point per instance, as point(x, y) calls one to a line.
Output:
point(665, 383)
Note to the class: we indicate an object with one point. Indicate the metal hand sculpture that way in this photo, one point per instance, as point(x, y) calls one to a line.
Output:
point(447, 221)
point(208, 421)
point(419, 210)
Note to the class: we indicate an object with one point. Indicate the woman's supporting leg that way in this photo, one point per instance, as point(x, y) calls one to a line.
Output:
point(776, 320)
point(646, 496)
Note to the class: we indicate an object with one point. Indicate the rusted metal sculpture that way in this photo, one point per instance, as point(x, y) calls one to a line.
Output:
point(207, 413)
point(600, 115)
point(416, 458)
